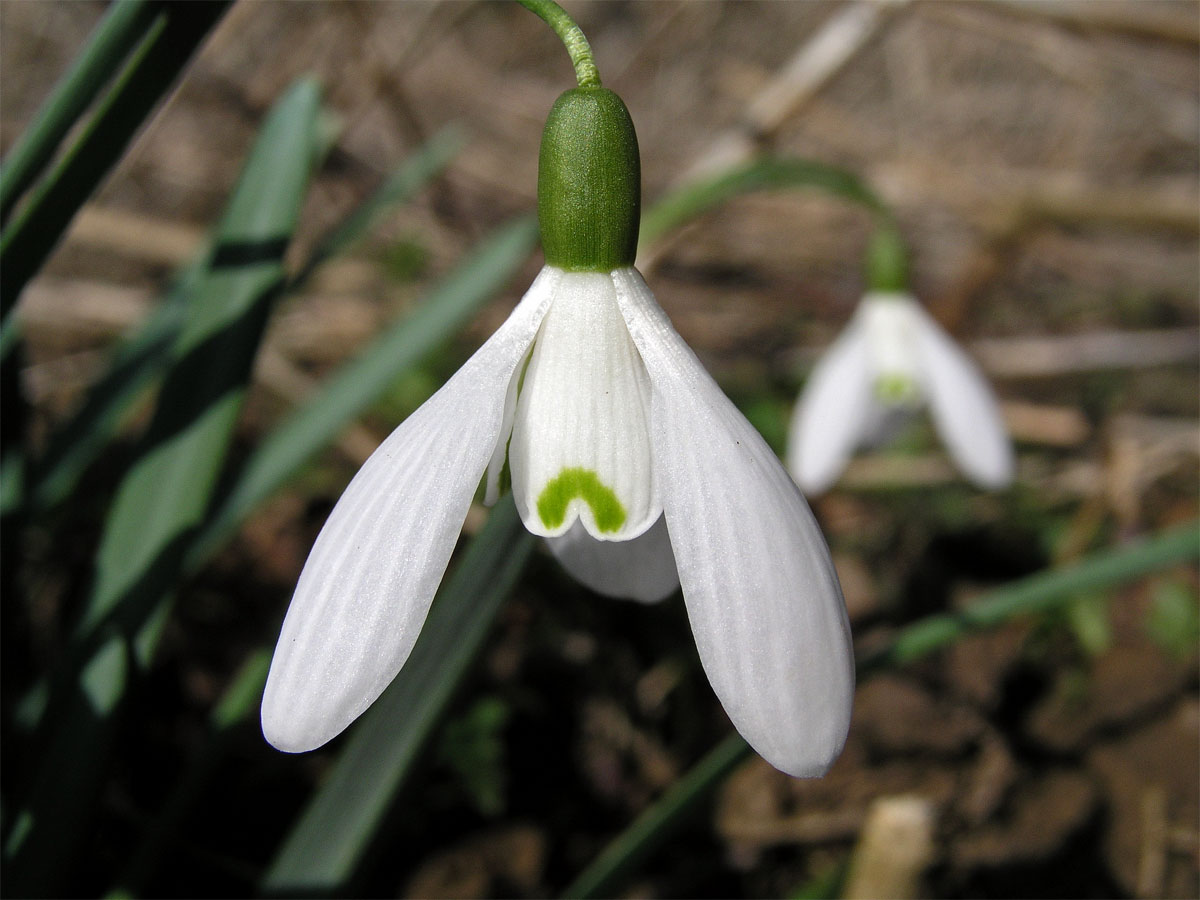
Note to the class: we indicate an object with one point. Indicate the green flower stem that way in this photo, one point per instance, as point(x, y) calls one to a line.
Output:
point(572, 37)
point(589, 172)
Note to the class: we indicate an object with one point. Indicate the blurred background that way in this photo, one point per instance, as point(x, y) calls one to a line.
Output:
point(1042, 162)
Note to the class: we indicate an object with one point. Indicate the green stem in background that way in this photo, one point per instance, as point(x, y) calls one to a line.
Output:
point(114, 38)
point(887, 260)
point(1043, 592)
point(768, 173)
point(572, 37)
point(1034, 595)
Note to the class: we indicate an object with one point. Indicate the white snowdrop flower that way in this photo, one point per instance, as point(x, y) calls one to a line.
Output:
point(894, 356)
point(620, 450)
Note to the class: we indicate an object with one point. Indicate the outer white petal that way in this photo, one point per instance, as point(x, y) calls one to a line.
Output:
point(642, 569)
point(372, 573)
point(581, 434)
point(760, 588)
point(833, 413)
point(500, 455)
point(964, 409)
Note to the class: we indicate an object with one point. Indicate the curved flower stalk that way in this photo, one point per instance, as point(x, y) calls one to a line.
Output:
point(620, 450)
point(893, 358)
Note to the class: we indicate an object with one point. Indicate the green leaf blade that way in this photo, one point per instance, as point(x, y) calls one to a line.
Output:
point(135, 365)
point(113, 39)
point(164, 495)
point(163, 498)
point(29, 238)
point(399, 187)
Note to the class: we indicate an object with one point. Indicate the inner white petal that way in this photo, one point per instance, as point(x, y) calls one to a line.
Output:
point(642, 569)
point(495, 484)
point(580, 447)
point(887, 323)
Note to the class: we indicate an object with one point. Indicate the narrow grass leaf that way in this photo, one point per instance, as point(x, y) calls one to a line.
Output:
point(239, 701)
point(162, 499)
point(244, 693)
point(30, 237)
point(648, 832)
point(118, 33)
point(1034, 595)
point(400, 187)
point(475, 281)
point(333, 837)
point(825, 883)
point(138, 361)
point(13, 462)
point(136, 365)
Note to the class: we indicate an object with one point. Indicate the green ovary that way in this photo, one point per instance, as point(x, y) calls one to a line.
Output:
point(895, 389)
point(578, 482)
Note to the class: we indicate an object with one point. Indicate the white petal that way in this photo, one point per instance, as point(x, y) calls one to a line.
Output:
point(641, 569)
point(580, 441)
point(885, 422)
point(760, 588)
point(962, 404)
point(493, 488)
point(832, 415)
point(887, 320)
point(372, 573)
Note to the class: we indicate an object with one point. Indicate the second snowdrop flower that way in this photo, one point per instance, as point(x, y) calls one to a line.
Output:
point(619, 449)
point(893, 357)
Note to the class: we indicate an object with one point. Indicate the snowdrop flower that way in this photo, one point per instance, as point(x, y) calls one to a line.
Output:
point(893, 357)
point(620, 450)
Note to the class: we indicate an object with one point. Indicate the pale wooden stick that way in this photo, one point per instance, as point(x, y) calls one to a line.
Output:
point(1170, 21)
point(1152, 864)
point(1041, 357)
point(893, 851)
point(834, 44)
